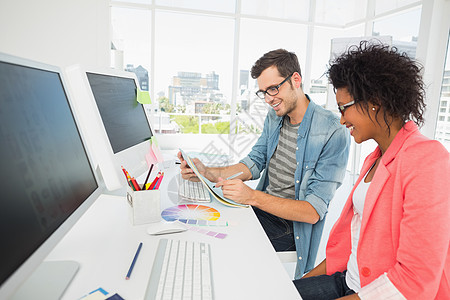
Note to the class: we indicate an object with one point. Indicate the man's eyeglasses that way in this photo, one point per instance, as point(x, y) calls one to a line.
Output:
point(273, 90)
point(342, 108)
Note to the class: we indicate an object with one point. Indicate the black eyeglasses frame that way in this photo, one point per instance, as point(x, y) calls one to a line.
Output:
point(262, 94)
point(343, 107)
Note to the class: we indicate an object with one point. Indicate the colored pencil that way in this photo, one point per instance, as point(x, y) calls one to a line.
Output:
point(154, 181)
point(159, 181)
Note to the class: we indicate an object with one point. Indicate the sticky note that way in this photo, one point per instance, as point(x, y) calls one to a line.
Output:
point(154, 141)
point(143, 97)
point(156, 150)
point(150, 157)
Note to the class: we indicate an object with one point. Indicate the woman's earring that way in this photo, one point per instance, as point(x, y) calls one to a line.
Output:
point(373, 108)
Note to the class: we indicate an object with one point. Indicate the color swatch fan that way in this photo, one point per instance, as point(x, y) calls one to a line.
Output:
point(190, 212)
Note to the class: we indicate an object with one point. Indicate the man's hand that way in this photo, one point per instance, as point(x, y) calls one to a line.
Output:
point(237, 190)
point(186, 172)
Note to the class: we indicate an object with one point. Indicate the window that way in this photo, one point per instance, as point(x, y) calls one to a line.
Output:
point(131, 37)
point(283, 9)
point(404, 29)
point(382, 6)
point(194, 67)
point(209, 5)
point(254, 43)
point(200, 52)
point(256, 38)
point(130, 43)
point(321, 58)
point(340, 12)
point(443, 124)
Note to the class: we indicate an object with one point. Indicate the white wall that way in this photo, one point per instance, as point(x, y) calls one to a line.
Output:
point(57, 32)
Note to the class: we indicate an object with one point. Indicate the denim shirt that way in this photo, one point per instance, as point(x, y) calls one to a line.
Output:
point(322, 153)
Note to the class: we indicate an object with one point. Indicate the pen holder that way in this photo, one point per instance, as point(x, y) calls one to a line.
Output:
point(144, 206)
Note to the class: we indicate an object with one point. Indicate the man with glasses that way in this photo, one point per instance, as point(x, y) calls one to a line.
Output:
point(302, 154)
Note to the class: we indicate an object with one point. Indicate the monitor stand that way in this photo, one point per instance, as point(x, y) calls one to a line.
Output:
point(48, 281)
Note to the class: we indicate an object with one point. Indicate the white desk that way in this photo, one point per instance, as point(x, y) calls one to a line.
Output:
point(244, 264)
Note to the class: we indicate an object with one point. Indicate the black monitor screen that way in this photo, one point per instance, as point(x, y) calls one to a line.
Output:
point(124, 118)
point(45, 172)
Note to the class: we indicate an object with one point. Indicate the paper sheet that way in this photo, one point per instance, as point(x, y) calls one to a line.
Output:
point(216, 192)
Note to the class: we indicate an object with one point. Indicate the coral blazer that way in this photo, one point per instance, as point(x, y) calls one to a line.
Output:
point(405, 230)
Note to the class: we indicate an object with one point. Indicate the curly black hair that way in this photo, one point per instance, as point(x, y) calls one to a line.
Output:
point(376, 73)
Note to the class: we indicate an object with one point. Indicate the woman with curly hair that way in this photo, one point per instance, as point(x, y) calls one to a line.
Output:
point(391, 240)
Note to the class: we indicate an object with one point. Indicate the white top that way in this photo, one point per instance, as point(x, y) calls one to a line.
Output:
point(382, 287)
point(359, 197)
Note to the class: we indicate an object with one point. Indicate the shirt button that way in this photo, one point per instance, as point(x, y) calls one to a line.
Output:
point(299, 258)
point(297, 237)
point(297, 163)
point(296, 148)
point(306, 167)
point(365, 272)
point(297, 181)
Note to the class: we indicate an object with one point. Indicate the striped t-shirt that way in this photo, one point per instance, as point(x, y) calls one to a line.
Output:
point(282, 165)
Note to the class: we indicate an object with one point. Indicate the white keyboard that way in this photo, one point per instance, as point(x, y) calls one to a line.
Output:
point(181, 270)
point(193, 191)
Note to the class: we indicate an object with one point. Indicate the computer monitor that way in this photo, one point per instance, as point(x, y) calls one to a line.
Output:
point(116, 124)
point(46, 181)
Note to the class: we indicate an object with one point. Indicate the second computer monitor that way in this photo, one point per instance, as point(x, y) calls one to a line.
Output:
point(124, 118)
point(116, 123)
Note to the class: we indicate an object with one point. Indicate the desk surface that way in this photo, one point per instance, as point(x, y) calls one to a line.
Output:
point(244, 264)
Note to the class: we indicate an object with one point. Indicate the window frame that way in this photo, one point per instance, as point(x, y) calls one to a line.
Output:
point(431, 49)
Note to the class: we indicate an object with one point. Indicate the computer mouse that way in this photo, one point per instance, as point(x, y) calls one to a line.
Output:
point(166, 227)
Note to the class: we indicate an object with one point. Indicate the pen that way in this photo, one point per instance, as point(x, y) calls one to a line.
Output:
point(148, 175)
point(134, 261)
point(235, 175)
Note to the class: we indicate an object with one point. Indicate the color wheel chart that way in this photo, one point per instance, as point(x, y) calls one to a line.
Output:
point(193, 214)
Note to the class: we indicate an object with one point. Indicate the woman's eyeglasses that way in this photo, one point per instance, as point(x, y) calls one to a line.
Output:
point(342, 108)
